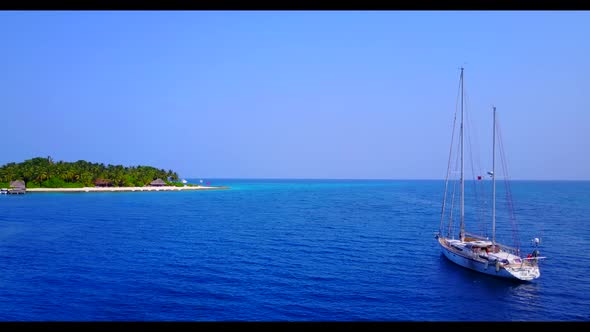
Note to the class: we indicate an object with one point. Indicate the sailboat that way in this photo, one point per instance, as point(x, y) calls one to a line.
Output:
point(476, 251)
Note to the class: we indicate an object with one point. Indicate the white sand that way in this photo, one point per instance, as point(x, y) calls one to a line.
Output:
point(110, 189)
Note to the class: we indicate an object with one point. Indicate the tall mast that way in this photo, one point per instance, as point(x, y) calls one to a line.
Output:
point(494, 183)
point(462, 180)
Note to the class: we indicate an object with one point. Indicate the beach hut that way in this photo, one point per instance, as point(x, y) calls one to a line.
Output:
point(17, 187)
point(158, 183)
point(18, 184)
point(103, 183)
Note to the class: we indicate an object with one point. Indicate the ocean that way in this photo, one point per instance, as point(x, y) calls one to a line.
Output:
point(281, 251)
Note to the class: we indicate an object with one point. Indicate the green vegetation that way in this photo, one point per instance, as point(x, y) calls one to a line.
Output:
point(45, 173)
point(178, 184)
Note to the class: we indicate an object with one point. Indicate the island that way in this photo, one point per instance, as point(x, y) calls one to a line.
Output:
point(45, 175)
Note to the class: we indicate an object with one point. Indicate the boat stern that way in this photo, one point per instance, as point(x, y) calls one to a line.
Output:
point(525, 272)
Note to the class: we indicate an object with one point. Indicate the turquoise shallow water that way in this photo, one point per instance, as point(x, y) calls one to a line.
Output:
point(280, 250)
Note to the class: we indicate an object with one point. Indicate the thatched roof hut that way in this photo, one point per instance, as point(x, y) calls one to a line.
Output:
point(103, 183)
point(158, 183)
point(18, 184)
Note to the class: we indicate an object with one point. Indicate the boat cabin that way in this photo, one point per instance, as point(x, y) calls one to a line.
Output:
point(480, 247)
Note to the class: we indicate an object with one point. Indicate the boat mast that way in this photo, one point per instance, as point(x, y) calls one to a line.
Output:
point(462, 228)
point(494, 183)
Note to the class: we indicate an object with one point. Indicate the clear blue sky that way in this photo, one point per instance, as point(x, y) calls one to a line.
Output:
point(295, 94)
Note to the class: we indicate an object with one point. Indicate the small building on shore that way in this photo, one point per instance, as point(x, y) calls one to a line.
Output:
point(103, 183)
point(17, 187)
point(158, 183)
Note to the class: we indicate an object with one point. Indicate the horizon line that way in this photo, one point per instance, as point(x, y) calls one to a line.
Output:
point(365, 179)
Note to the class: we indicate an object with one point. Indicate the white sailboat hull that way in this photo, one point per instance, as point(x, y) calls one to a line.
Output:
point(525, 272)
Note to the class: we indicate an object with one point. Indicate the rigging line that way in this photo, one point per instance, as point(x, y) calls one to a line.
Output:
point(478, 209)
point(470, 149)
point(508, 190)
point(450, 229)
point(479, 187)
point(448, 169)
point(508, 194)
point(449, 160)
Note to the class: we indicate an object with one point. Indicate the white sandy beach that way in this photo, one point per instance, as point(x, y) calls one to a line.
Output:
point(111, 189)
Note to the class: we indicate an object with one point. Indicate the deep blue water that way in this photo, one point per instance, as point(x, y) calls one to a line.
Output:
point(280, 250)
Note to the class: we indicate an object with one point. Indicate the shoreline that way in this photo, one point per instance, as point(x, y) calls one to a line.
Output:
point(119, 189)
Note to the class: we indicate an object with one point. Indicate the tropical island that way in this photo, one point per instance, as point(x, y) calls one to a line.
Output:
point(45, 175)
